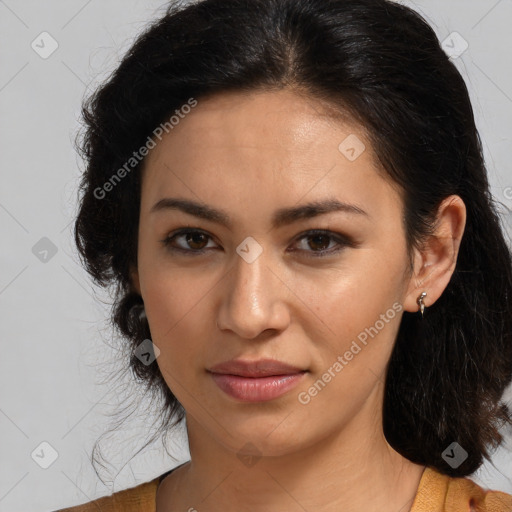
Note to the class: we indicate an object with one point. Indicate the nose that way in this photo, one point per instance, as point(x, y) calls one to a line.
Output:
point(253, 299)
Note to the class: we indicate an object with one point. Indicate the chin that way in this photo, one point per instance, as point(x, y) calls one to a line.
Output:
point(266, 440)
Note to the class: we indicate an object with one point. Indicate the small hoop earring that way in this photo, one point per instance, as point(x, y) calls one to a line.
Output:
point(420, 302)
point(142, 314)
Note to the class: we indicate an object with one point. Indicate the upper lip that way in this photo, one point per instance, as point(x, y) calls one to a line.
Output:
point(259, 368)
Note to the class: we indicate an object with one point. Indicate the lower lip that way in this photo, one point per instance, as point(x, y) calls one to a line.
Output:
point(259, 389)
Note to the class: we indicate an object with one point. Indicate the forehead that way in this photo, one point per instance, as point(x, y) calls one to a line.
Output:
point(284, 120)
point(267, 144)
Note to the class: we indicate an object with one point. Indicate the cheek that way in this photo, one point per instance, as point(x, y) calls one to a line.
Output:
point(176, 304)
point(171, 291)
point(363, 323)
point(358, 311)
point(350, 299)
point(171, 306)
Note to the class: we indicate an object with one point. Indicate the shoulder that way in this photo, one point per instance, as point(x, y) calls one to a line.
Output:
point(482, 500)
point(141, 498)
point(447, 494)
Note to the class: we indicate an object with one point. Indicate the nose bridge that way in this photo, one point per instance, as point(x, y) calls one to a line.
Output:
point(250, 277)
point(251, 296)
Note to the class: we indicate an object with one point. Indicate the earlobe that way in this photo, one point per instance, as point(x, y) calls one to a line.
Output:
point(435, 263)
point(421, 302)
point(419, 282)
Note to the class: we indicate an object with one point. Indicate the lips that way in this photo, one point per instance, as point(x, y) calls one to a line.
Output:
point(255, 369)
point(256, 381)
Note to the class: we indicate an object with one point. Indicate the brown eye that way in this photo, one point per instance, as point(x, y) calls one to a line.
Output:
point(190, 241)
point(196, 240)
point(319, 242)
point(316, 243)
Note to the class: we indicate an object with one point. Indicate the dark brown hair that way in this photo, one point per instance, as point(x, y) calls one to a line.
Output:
point(380, 62)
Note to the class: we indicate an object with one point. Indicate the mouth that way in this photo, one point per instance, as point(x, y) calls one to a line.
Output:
point(255, 369)
point(256, 381)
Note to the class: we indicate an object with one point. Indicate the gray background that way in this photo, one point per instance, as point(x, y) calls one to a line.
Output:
point(53, 322)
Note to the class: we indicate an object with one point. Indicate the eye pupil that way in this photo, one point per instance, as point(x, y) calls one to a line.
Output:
point(316, 239)
point(192, 236)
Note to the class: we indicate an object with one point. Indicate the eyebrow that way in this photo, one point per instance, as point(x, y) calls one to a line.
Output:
point(281, 217)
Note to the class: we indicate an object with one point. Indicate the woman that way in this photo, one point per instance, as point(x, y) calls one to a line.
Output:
point(291, 198)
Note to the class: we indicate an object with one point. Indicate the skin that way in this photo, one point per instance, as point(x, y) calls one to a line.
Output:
point(251, 154)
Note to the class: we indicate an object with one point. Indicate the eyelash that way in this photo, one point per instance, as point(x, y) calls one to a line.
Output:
point(341, 240)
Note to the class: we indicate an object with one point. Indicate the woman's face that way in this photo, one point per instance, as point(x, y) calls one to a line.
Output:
point(247, 287)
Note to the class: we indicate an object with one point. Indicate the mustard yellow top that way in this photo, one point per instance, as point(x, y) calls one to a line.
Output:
point(436, 493)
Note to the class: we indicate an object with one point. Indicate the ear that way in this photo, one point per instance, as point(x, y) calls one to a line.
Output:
point(134, 275)
point(435, 262)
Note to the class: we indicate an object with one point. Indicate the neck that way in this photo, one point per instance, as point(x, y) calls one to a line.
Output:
point(351, 470)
